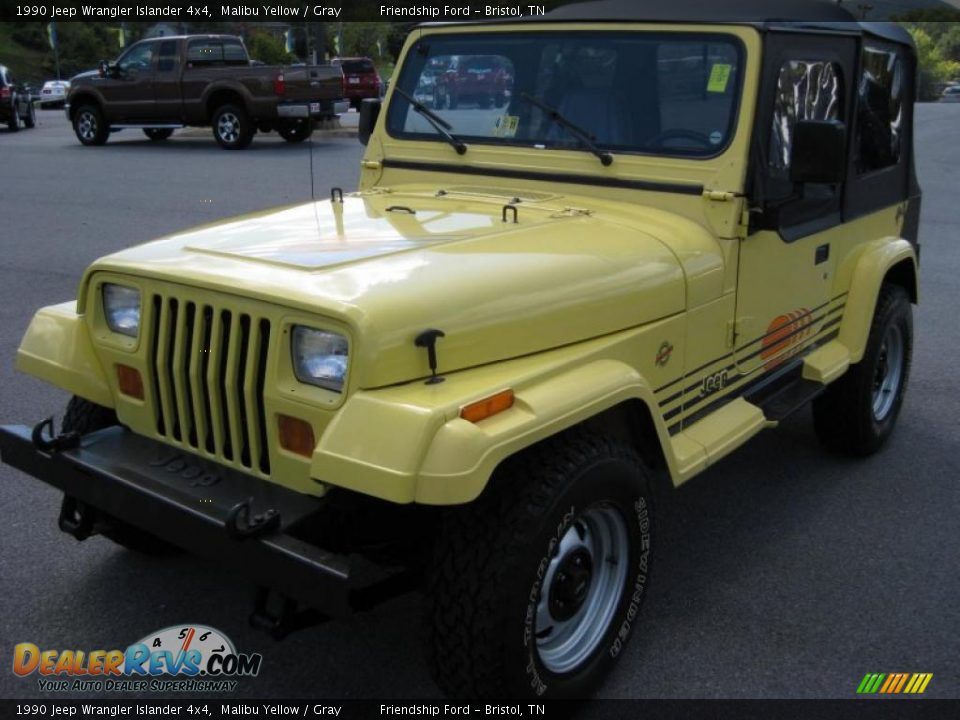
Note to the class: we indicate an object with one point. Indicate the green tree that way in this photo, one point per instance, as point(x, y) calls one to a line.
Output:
point(366, 39)
point(935, 67)
point(82, 47)
point(265, 47)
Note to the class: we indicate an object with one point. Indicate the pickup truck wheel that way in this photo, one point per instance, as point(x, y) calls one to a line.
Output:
point(83, 416)
point(296, 130)
point(158, 133)
point(857, 413)
point(89, 125)
point(232, 129)
point(536, 585)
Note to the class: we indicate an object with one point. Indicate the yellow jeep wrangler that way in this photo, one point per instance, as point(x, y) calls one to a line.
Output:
point(636, 239)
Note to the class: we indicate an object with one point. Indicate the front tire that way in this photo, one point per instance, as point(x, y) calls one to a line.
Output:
point(232, 127)
point(83, 416)
point(857, 413)
point(89, 125)
point(537, 584)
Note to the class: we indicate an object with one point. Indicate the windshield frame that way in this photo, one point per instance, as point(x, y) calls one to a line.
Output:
point(398, 104)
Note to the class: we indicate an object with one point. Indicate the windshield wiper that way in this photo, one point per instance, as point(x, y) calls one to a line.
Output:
point(438, 123)
point(575, 130)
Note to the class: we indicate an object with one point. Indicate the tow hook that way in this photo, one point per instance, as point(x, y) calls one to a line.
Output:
point(241, 525)
point(53, 443)
point(77, 518)
point(278, 615)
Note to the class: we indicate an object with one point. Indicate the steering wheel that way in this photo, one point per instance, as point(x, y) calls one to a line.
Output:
point(659, 139)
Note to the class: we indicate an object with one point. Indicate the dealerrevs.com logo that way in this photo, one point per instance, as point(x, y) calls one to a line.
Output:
point(184, 658)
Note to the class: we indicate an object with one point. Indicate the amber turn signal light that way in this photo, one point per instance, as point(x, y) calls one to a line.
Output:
point(130, 382)
point(482, 409)
point(296, 435)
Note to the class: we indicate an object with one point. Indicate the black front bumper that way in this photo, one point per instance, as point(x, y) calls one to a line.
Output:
point(205, 508)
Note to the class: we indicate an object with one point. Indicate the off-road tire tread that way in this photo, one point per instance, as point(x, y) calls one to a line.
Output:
point(476, 549)
point(839, 424)
point(83, 416)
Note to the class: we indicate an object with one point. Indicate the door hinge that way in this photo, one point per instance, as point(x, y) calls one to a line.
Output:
point(720, 195)
point(371, 164)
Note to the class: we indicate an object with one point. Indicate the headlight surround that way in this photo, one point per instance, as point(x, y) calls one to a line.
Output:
point(121, 309)
point(320, 357)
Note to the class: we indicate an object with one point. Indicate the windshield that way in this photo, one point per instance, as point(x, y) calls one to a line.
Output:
point(644, 92)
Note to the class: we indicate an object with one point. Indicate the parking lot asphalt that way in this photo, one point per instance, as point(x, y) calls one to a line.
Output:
point(781, 572)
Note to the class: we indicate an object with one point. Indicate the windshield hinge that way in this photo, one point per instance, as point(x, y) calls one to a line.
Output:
point(720, 195)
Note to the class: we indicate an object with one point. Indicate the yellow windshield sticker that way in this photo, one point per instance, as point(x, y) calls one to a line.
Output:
point(506, 126)
point(719, 77)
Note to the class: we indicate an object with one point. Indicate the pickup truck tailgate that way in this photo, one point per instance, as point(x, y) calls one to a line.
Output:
point(312, 83)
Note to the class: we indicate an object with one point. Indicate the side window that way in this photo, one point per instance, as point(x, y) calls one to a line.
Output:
point(806, 90)
point(880, 109)
point(138, 58)
point(204, 52)
point(234, 53)
point(215, 51)
point(168, 56)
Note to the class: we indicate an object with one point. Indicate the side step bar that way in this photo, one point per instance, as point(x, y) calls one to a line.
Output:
point(147, 126)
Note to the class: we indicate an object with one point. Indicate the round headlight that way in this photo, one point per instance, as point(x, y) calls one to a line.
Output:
point(121, 309)
point(319, 357)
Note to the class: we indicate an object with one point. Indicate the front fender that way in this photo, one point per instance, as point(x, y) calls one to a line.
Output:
point(463, 455)
point(57, 349)
point(868, 271)
point(406, 452)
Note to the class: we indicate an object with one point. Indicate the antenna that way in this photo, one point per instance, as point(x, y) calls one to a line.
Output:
point(313, 195)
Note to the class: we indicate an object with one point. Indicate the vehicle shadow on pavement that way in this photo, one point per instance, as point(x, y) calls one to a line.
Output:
point(196, 146)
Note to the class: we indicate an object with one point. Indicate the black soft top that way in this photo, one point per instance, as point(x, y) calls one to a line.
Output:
point(807, 15)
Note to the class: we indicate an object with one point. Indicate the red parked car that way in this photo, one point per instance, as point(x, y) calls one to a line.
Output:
point(480, 79)
point(360, 79)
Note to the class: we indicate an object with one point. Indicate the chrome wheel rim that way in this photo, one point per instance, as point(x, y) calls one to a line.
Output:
point(889, 373)
point(87, 125)
point(228, 127)
point(581, 589)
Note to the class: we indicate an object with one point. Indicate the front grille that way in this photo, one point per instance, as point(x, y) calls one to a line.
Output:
point(207, 368)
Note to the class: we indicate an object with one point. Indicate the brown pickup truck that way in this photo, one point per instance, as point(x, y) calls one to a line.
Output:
point(165, 83)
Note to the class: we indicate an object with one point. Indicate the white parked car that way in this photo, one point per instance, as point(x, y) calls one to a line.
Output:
point(950, 94)
point(54, 92)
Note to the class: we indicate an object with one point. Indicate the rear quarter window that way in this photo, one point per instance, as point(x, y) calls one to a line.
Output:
point(880, 109)
point(358, 67)
point(214, 51)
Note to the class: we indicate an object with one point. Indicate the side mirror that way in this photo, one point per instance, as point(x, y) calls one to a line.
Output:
point(819, 152)
point(369, 112)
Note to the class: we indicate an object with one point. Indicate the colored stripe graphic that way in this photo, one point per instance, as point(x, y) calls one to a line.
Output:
point(894, 683)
